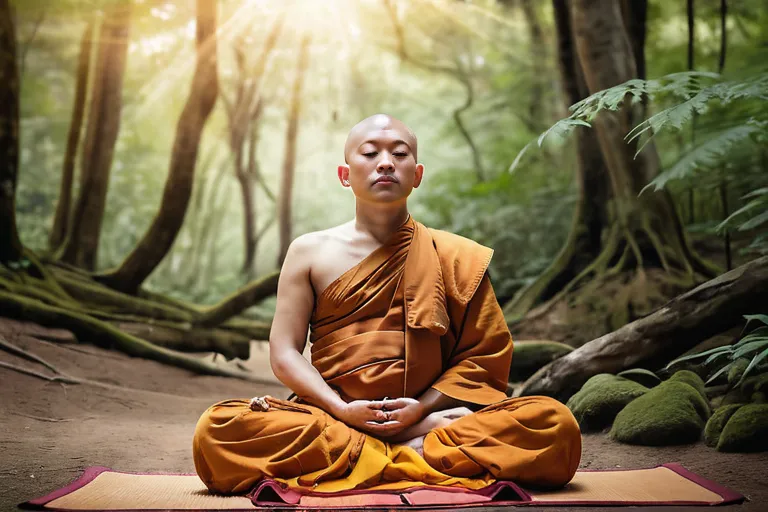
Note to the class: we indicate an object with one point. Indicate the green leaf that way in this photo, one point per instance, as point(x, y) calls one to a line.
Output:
point(726, 348)
point(755, 221)
point(755, 193)
point(749, 347)
point(758, 317)
point(709, 153)
point(715, 356)
point(719, 373)
point(519, 157)
point(755, 360)
point(757, 334)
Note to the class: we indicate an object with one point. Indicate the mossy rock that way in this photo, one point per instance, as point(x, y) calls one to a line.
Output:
point(642, 376)
point(758, 397)
point(529, 356)
point(600, 400)
point(746, 430)
point(671, 413)
point(755, 383)
point(717, 422)
point(692, 379)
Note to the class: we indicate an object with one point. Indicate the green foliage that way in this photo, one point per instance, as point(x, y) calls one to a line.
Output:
point(731, 134)
point(743, 357)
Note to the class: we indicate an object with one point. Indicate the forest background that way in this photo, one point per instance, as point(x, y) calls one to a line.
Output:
point(228, 118)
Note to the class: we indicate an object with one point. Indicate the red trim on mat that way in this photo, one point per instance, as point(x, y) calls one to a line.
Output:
point(87, 477)
point(729, 495)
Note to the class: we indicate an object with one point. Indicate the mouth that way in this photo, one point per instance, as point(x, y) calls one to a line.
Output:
point(385, 179)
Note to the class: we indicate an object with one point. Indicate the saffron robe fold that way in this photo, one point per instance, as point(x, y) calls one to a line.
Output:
point(418, 312)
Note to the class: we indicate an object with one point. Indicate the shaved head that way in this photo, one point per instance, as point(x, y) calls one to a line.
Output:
point(358, 134)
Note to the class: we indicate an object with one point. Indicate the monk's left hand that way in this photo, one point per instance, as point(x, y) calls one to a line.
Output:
point(406, 411)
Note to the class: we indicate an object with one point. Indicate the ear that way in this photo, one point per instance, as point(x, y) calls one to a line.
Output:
point(343, 172)
point(418, 175)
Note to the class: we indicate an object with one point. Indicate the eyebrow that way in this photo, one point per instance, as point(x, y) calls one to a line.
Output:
point(394, 143)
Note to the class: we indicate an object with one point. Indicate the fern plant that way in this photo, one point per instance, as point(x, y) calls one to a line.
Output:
point(732, 118)
point(752, 346)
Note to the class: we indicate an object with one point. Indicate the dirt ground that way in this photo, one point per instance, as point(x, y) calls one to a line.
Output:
point(144, 418)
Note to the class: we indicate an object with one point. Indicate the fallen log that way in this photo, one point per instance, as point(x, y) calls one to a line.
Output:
point(652, 341)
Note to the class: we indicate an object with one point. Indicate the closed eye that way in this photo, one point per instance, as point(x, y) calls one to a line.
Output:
point(370, 154)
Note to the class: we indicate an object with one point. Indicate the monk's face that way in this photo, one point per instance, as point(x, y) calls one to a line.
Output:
point(381, 161)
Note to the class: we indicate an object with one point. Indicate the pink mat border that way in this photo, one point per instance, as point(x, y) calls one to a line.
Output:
point(729, 496)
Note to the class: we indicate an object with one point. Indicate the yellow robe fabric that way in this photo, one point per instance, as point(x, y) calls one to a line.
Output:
point(418, 312)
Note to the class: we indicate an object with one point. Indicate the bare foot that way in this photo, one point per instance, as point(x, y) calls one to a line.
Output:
point(417, 443)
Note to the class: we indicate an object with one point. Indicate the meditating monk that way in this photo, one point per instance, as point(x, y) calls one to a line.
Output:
point(410, 357)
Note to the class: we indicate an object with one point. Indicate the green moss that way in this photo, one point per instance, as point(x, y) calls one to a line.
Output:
point(746, 431)
point(671, 413)
point(755, 383)
point(600, 400)
point(715, 425)
point(692, 379)
point(529, 356)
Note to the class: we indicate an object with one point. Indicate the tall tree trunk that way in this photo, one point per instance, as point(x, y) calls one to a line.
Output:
point(10, 244)
point(621, 231)
point(244, 114)
point(289, 162)
point(82, 242)
point(158, 240)
point(63, 207)
point(590, 218)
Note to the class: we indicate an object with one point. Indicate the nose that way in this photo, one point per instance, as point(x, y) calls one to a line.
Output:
point(385, 164)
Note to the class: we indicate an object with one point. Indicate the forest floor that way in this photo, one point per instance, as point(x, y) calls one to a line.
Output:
point(144, 420)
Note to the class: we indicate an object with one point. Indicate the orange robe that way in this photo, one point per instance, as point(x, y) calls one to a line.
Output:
point(417, 313)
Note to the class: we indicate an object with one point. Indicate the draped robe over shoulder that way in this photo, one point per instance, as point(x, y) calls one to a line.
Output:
point(417, 313)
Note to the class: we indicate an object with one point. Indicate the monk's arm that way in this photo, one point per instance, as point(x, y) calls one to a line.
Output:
point(288, 336)
point(478, 367)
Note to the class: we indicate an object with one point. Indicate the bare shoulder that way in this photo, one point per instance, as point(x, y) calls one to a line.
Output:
point(309, 249)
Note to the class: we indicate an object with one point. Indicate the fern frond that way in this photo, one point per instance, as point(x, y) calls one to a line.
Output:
point(710, 153)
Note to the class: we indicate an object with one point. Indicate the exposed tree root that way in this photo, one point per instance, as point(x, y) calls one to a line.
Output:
point(55, 378)
point(18, 351)
point(88, 328)
point(239, 301)
point(228, 343)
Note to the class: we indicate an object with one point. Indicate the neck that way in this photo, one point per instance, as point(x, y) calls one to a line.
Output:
point(380, 221)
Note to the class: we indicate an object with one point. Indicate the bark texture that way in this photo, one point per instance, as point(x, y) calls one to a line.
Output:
point(82, 241)
point(64, 204)
point(285, 221)
point(10, 244)
point(650, 342)
point(157, 241)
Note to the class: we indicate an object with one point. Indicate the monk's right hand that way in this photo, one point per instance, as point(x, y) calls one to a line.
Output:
point(367, 416)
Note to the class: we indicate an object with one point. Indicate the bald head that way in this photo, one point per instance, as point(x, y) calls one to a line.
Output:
point(378, 122)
